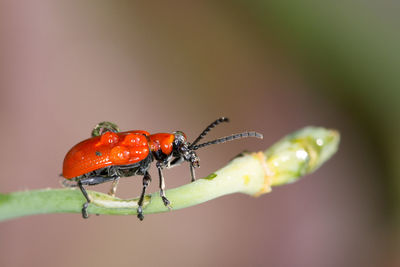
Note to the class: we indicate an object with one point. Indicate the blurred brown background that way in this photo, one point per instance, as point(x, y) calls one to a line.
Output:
point(272, 66)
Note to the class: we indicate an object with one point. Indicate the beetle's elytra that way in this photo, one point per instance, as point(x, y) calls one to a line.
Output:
point(110, 154)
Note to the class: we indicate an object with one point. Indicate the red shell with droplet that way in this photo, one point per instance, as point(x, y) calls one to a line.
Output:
point(163, 141)
point(106, 150)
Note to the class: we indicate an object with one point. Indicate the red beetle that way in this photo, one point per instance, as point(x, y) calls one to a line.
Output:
point(110, 154)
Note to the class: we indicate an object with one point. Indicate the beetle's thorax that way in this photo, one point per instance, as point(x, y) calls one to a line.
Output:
point(161, 145)
point(165, 146)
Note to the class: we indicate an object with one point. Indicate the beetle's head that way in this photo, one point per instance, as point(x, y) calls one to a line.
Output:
point(181, 148)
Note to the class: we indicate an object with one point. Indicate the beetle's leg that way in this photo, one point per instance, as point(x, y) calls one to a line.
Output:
point(91, 181)
point(103, 127)
point(162, 186)
point(86, 204)
point(96, 180)
point(114, 187)
point(146, 181)
point(192, 172)
point(68, 183)
point(175, 162)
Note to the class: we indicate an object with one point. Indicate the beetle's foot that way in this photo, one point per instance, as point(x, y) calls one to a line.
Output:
point(166, 202)
point(140, 213)
point(85, 214)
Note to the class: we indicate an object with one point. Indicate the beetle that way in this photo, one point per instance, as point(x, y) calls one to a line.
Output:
point(110, 154)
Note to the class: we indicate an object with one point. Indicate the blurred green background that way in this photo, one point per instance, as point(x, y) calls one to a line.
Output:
point(270, 66)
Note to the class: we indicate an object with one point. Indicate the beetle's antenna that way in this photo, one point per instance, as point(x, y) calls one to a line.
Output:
point(206, 130)
point(229, 138)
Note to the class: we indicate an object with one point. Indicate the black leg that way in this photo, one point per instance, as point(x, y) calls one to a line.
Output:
point(162, 187)
point(85, 205)
point(97, 180)
point(146, 181)
point(91, 181)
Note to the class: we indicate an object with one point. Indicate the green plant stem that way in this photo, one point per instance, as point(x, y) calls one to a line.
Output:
point(251, 173)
